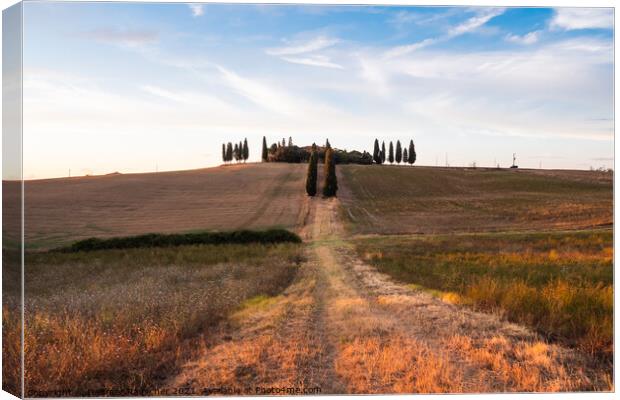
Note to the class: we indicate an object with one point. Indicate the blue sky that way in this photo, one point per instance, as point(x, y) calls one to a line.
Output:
point(128, 86)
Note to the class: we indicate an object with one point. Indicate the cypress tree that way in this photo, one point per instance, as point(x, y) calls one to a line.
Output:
point(312, 172)
point(224, 152)
point(236, 152)
point(290, 141)
point(391, 156)
point(229, 152)
point(246, 150)
point(376, 153)
point(412, 155)
point(399, 152)
point(283, 142)
point(265, 155)
point(327, 145)
point(382, 152)
point(405, 156)
point(330, 186)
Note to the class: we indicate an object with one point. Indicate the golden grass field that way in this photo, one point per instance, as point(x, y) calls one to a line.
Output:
point(119, 322)
point(414, 280)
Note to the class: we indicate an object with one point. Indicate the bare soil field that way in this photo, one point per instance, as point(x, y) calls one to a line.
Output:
point(401, 199)
point(60, 211)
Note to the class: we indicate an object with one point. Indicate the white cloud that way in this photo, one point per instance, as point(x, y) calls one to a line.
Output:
point(590, 45)
point(534, 92)
point(528, 38)
point(475, 22)
point(197, 9)
point(315, 61)
point(315, 44)
point(409, 48)
point(470, 25)
point(582, 18)
point(260, 94)
point(190, 99)
point(126, 38)
point(309, 48)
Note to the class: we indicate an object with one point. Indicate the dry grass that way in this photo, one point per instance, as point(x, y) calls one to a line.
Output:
point(60, 211)
point(558, 283)
point(396, 365)
point(119, 322)
point(390, 199)
point(11, 349)
point(520, 367)
point(269, 342)
point(11, 289)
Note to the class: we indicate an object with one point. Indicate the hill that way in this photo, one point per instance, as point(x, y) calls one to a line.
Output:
point(393, 199)
point(252, 196)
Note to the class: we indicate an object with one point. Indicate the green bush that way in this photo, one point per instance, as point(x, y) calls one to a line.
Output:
point(271, 236)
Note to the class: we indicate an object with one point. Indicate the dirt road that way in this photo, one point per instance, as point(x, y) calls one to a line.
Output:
point(345, 328)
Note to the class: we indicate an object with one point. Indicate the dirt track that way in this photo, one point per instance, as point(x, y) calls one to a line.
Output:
point(345, 328)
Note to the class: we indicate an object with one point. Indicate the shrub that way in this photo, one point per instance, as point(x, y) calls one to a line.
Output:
point(270, 236)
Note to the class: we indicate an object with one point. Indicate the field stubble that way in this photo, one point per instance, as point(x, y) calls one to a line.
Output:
point(399, 200)
point(253, 196)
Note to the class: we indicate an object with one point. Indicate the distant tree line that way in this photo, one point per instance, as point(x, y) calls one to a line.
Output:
point(238, 152)
point(286, 151)
point(407, 156)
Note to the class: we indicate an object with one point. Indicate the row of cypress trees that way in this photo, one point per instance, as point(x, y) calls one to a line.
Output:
point(240, 152)
point(330, 183)
point(402, 155)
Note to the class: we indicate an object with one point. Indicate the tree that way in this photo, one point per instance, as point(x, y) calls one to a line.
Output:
point(391, 155)
point(376, 153)
point(290, 141)
point(330, 187)
point(382, 152)
point(327, 145)
point(265, 155)
point(399, 152)
point(224, 152)
point(229, 152)
point(283, 142)
point(236, 152)
point(246, 150)
point(412, 155)
point(312, 172)
point(405, 156)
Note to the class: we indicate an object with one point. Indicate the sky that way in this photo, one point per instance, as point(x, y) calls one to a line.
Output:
point(135, 87)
